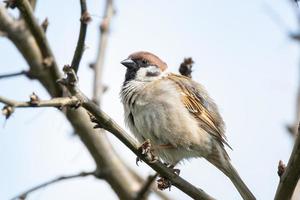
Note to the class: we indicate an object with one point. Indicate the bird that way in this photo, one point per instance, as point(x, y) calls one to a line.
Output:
point(175, 116)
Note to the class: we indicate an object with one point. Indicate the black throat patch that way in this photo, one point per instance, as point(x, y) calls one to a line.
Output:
point(130, 74)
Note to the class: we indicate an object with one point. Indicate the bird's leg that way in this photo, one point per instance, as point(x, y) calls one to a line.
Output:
point(147, 150)
point(164, 183)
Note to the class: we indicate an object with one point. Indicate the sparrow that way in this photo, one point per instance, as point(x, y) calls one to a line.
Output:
point(175, 115)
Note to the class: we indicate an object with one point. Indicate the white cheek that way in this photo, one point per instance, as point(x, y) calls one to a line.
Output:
point(141, 74)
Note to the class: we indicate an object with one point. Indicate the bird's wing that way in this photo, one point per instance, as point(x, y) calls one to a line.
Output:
point(201, 106)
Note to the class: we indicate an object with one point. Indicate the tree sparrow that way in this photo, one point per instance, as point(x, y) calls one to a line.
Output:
point(176, 115)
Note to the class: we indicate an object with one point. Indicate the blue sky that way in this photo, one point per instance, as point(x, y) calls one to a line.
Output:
point(242, 56)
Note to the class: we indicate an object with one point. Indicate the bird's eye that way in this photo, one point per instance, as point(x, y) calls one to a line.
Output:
point(144, 62)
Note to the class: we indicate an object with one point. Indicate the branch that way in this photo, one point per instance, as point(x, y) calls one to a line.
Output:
point(36, 30)
point(39, 35)
point(22, 38)
point(98, 66)
point(291, 175)
point(121, 179)
point(55, 102)
point(144, 191)
point(85, 18)
point(21, 73)
point(23, 195)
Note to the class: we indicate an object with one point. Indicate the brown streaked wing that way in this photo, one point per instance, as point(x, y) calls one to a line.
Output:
point(193, 101)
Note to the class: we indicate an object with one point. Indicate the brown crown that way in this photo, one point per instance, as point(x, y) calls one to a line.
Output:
point(151, 58)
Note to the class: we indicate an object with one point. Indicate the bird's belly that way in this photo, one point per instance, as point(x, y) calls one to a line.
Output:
point(161, 127)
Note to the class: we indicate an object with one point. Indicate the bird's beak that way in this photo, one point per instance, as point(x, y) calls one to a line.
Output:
point(128, 63)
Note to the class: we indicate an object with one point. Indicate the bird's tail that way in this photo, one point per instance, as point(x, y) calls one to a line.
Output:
point(238, 182)
point(227, 168)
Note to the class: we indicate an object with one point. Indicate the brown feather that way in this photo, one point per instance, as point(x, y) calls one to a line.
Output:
point(151, 58)
point(193, 101)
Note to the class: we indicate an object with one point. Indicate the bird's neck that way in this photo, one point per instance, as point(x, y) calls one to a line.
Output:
point(131, 89)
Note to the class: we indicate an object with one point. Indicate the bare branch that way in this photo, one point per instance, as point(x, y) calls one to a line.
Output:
point(55, 102)
point(291, 175)
point(36, 30)
point(121, 178)
point(85, 18)
point(98, 66)
point(21, 73)
point(23, 40)
point(23, 195)
point(39, 35)
point(144, 191)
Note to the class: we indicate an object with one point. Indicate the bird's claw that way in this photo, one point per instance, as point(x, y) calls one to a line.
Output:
point(164, 183)
point(147, 150)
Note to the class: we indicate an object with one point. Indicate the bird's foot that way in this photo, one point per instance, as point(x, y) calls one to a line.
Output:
point(147, 150)
point(164, 183)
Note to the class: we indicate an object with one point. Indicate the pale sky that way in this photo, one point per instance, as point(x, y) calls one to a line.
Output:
point(242, 56)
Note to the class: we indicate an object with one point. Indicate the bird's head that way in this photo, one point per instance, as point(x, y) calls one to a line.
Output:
point(143, 66)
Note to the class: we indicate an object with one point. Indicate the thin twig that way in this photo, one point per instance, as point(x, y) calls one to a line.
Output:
point(145, 190)
point(98, 66)
point(21, 73)
point(84, 19)
point(55, 102)
point(291, 175)
point(23, 195)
